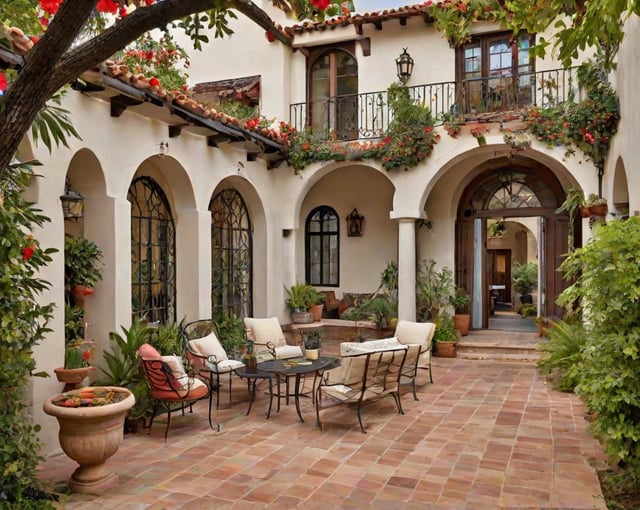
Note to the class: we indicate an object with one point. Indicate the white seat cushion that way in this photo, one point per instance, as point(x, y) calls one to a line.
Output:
point(383, 344)
point(226, 365)
point(208, 346)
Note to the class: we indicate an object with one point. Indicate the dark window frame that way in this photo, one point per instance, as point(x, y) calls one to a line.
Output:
point(328, 214)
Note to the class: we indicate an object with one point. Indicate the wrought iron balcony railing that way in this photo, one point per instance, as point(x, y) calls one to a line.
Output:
point(367, 115)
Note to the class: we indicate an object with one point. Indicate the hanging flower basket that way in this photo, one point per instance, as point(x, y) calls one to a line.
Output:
point(81, 291)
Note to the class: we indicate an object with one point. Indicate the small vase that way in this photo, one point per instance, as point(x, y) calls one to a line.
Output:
point(311, 354)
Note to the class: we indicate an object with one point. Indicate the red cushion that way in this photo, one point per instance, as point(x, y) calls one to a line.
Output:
point(148, 351)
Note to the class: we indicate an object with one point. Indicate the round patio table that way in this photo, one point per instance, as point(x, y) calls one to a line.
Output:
point(284, 369)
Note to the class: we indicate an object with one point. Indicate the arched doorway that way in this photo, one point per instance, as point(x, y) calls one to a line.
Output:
point(519, 197)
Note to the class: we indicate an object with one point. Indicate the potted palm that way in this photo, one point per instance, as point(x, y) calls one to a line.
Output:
point(298, 300)
point(82, 266)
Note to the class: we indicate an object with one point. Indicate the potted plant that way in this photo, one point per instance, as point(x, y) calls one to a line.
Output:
point(434, 290)
point(77, 352)
point(298, 299)
point(315, 303)
point(461, 318)
point(525, 279)
point(445, 337)
point(597, 205)
point(82, 265)
point(312, 341)
point(91, 430)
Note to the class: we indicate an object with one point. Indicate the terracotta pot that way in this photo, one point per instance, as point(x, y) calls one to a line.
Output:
point(585, 212)
point(72, 376)
point(462, 322)
point(444, 349)
point(599, 210)
point(316, 312)
point(90, 436)
point(81, 291)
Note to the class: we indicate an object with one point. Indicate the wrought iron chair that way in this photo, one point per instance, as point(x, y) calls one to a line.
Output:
point(205, 352)
point(170, 387)
point(418, 337)
point(363, 377)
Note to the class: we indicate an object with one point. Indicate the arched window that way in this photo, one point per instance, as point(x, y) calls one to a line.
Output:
point(231, 256)
point(334, 94)
point(153, 253)
point(512, 192)
point(322, 247)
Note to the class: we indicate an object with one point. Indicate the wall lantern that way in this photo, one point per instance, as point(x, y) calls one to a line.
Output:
point(354, 224)
point(72, 202)
point(404, 66)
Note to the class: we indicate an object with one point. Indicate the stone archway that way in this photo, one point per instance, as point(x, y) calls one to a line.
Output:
point(522, 193)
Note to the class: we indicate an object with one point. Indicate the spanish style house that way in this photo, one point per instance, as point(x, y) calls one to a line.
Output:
point(197, 213)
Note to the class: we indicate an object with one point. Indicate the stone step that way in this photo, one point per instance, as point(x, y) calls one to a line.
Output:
point(498, 351)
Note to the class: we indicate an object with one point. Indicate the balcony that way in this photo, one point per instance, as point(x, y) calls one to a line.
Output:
point(367, 115)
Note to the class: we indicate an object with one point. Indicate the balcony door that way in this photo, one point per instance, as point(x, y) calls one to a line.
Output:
point(497, 73)
point(333, 93)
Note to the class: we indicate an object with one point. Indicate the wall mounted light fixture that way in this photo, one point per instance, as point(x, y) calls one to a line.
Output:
point(72, 202)
point(404, 66)
point(355, 224)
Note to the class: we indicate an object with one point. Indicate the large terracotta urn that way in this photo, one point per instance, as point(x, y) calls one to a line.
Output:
point(91, 433)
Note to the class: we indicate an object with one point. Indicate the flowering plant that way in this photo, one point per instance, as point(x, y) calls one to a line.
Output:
point(589, 124)
point(78, 354)
point(408, 140)
point(86, 397)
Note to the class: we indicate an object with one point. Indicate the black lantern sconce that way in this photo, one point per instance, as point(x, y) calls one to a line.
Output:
point(72, 203)
point(355, 224)
point(404, 66)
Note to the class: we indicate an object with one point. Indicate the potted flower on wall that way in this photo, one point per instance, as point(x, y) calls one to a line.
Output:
point(82, 266)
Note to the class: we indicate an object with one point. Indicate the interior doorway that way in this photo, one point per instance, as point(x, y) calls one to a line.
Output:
point(506, 216)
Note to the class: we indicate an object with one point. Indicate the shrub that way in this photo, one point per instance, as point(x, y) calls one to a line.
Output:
point(561, 360)
point(606, 294)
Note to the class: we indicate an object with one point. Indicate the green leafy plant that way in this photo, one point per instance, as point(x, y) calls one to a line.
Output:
point(408, 140)
point(527, 310)
point(312, 339)
point(605, 297)
point(525, 277)
point(561, 359)
point(299, 296)
point(460, 301)
point(445, 329)
point(434, 290)
point(231, 332)
point(24, 323)
point(82, 261)
point(497, 229)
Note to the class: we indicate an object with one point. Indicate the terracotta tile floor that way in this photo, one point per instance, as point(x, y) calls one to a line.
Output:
point(485, 435)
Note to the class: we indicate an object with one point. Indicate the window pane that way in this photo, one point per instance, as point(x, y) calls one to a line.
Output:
point(322, 247)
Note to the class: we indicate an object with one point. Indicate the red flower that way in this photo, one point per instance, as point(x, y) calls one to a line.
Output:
point(86, 355)
point(270, 37)
point(3, 83)
point(27, 253)
point(320, 4)
point(154, 82)
point(50, 6)
point(107, 6)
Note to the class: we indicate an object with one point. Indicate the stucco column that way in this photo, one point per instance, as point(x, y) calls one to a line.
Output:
point(407, 269)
